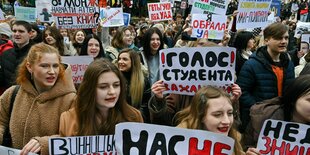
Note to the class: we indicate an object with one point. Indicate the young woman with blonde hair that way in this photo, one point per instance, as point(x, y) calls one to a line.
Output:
point(123, 39)
point(211, 109)
point(100, 103)
point(137, 82)
point(46, 90)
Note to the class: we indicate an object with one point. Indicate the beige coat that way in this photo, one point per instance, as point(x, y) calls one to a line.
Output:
point(36, 115)
point(69, 126)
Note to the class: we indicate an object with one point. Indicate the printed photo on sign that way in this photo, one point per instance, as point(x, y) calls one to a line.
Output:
point(280, 137)
point(78, 14)
point(143, 139)
point(11, 151)
point(44, 10)
point(209, 6)
point(25, 13)
point(126, 18)
point(160, 11)
point(185, 70)
point(301, 27)
point(78, 65)
point(83, 145)
point(252, 14)
point(209, 26)
point(111, 17)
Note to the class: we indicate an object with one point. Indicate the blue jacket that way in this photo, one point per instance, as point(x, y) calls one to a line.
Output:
point(258, 81)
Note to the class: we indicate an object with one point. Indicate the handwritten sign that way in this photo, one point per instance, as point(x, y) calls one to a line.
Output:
point(10, 151)
point(97, 145)
point(75, 14)
point(185, 70)
point(208, 26)
point(160, 11)
point(78, 65)
point(111, 17)
point(209, 6)
point(44, 10)
point(280, 138)
point(157, 139)
point(25, 13)
point(252, 14)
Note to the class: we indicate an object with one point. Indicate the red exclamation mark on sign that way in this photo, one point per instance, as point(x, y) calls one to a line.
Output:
point(162, 58)
point(232, 58)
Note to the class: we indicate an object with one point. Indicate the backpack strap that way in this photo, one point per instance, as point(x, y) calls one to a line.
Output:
point(13, 98)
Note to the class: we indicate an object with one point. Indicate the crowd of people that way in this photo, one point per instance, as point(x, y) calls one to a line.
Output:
point(122, 84)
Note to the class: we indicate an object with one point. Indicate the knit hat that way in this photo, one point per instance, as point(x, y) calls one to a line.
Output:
point(5, 29)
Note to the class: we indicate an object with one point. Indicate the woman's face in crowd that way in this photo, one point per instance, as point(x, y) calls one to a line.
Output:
point(49, 38)
point(302, 111)
point(45, 71)
point(124, 62)
point(155, 43)
point(251, 44)
point(219, 115)
point(79, 37)
point(127, 38)
point(64, 32)
point(304, 47)
point(34, 33)
point(93, 47)
point(108, 90)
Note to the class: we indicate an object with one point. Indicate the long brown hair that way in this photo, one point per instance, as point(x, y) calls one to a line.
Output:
point(34, 55)
point(55, 33)
point(86, 110)
point(194, 114)
point(117, 41)
point(137, 77)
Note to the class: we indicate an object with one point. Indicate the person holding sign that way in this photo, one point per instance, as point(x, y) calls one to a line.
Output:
point(100, 103)
point(211, 109)
point(267, 72)
point(163, 108)
point(137, 82)
point(52, 36)
point(293, 106)
point(92, 46)
point(122, 39)
point(46, 90)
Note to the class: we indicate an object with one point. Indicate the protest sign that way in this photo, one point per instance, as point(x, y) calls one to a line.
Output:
point(96, 145)
point(252, 14)
point(111, 17)
point(283, 138)
point(160, 11)
point(305, 38)
point(141, 138)
point(276, 7)
point(78, 65)
point(44, 8)
point(301, 27)
point(209, 6)
point(1, 15)
point(25, 13)
point(209, 26)
point(126, 18)
point(11, 151)
point(75, 14)
point(185, 70)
